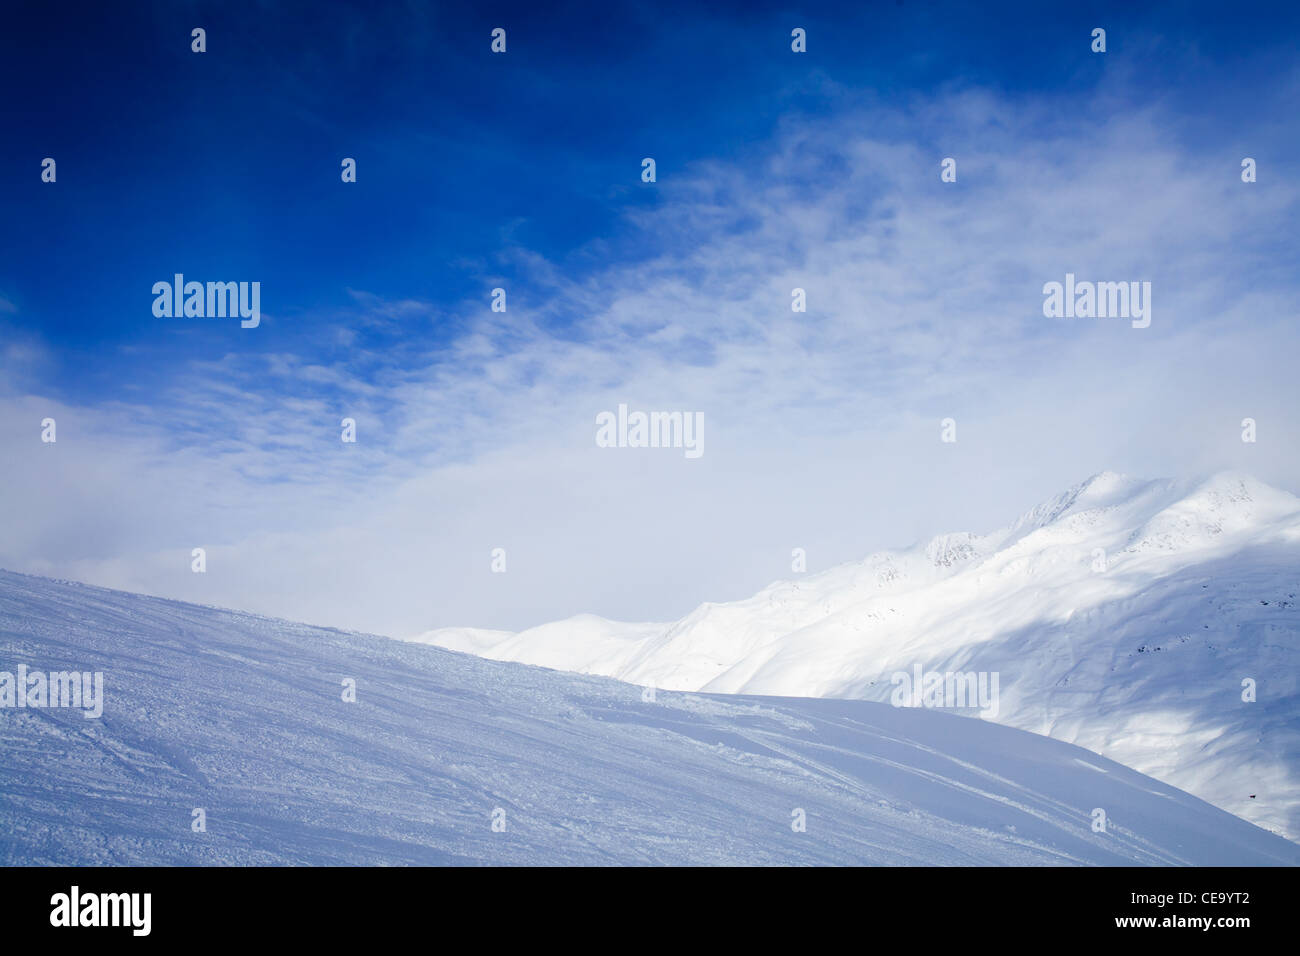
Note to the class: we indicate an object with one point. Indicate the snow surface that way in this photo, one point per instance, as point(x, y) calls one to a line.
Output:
point(1142, 662)
point(243, 716)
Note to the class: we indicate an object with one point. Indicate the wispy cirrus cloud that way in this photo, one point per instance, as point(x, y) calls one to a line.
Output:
point(924, 301)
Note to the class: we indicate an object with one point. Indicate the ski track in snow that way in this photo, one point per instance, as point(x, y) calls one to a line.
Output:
point(242, 715)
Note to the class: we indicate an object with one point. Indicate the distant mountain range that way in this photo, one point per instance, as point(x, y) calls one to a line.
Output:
point(1134, 618)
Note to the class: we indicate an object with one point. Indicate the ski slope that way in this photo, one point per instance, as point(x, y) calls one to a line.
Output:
point(243, 716)
point(1122, 615)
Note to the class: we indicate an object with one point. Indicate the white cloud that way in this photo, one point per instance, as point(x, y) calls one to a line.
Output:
point(924, 301)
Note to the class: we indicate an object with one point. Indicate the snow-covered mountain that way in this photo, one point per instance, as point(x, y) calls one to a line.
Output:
point(1122, 615)
point(243, 717)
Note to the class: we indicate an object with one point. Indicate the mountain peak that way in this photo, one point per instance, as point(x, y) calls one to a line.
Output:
point(1103, 489)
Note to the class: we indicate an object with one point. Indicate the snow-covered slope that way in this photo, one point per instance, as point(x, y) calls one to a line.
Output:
point(1122, 615)
point(243, 717)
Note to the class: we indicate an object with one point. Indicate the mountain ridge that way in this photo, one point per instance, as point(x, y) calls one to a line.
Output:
point(1060, 602)
point(240, 716)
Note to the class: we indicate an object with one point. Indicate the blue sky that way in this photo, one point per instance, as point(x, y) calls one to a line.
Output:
point(522, 170)
point(226, 163)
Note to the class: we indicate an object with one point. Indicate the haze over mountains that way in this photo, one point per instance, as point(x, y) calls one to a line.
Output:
point(1130, 617)
point(243, 717)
